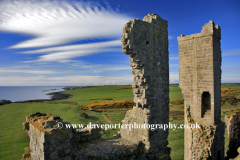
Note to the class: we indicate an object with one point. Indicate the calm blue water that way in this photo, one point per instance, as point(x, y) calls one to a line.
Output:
point(23, 93)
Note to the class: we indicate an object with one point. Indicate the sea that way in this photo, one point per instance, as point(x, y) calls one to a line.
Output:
point(24, 93)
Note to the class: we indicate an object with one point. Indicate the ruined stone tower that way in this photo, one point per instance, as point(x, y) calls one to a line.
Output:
point(146, 42)
point(200, 81)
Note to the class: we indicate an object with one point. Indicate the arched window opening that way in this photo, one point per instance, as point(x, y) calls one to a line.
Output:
point(206, 104)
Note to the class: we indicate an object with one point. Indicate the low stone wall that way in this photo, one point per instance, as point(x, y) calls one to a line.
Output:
point(47, 141)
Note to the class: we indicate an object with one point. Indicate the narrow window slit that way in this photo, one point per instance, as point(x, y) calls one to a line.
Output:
point(206, 104)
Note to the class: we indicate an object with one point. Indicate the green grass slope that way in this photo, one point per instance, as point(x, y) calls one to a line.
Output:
point(13, 138)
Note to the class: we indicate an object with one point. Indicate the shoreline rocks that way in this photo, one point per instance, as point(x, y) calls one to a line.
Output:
point(55, 96)
point(2, 102)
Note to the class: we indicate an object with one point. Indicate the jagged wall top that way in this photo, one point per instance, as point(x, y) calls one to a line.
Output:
point(146, 43)
point(209, 29)
point(152, 18)
point(130, 30)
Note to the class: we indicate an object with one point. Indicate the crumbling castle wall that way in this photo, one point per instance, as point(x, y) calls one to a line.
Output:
point(200, 81)
point(233, 127)
point(146, 43)
point(48, 141)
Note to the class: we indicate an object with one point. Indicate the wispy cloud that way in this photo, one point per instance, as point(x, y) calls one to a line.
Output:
point(98, 68)
point(59, 22)
point(64, 53)
point(231, 79)
point(231, 52)
point(29, 71)
point(170, 37)
point(231, 69)
point(64, 56)
point(96, 45)
point(170, 58)
point(108, 68)
point(173, 65)
point(174, 77)
point(65, 81)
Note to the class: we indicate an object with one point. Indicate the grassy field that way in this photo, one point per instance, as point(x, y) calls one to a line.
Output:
point(13, 138)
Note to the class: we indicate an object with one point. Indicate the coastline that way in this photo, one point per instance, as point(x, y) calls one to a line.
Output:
point(55, 96)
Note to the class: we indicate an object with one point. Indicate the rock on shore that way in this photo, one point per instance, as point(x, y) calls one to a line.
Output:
point(2, 102)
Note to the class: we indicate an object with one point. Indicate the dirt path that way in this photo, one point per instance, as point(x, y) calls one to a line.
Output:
point(108, 119)
point(175, 109)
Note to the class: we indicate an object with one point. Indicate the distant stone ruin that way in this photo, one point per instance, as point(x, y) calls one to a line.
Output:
point(146, 42)
point(200, 81)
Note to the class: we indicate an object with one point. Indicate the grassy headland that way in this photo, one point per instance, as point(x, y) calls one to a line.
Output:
point(13, 138)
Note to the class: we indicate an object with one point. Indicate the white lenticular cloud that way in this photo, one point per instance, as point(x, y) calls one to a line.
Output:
point(77, 47)
point(63, 56)
point(64, 53)
point(59, 22)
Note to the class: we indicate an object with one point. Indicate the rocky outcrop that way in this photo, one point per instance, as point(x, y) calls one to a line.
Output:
point(2, 102)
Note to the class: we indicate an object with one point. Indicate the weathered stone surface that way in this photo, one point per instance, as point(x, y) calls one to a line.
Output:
point(49, 124)
point(49, 142)
point(75, 144)
point(146, 43)
point(27, 153)
point(200, 81)
point(233, 127)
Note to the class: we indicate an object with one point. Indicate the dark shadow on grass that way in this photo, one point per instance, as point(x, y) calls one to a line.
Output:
point(92, 118)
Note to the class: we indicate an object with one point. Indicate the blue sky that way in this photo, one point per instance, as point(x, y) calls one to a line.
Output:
point(78, 42)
